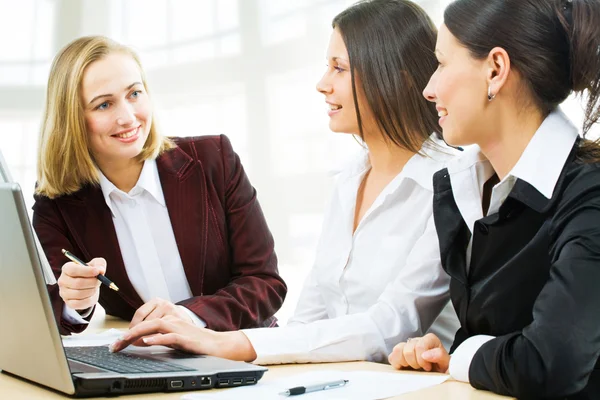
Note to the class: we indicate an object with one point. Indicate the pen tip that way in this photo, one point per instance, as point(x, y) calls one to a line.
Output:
point(114, 287)
point(64, 251)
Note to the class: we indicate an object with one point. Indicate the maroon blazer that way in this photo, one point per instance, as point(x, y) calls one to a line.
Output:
point(225, 245)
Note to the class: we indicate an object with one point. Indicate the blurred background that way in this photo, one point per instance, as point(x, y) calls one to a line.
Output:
point(244, 68)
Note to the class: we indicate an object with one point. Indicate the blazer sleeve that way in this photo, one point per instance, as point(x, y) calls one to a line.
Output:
point(255, 291)
point(554, 355)
point(54, 236)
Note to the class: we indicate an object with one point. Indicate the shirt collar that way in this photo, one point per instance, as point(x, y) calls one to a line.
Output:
point(419, 168)
point(148, 181)
point(541, 163)
point(435, 156)
point(544, 157)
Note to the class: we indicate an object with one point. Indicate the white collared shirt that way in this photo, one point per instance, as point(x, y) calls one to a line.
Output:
point(146, 240)
point(372, 289)
point(540, 165)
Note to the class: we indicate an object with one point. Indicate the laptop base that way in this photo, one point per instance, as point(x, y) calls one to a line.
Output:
point(118, 386)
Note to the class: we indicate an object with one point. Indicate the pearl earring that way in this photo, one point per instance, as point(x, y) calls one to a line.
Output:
point(490, 95)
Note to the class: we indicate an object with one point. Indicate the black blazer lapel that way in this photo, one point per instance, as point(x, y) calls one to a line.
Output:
point(453, 233)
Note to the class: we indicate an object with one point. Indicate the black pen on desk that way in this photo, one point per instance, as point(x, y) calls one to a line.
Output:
point(100, 277)
point(313, 388)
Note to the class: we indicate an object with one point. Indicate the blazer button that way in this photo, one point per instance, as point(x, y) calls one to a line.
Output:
point(483, 228)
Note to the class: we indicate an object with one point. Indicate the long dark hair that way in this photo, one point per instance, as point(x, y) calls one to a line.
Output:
point(391, 47)
point(554, 44)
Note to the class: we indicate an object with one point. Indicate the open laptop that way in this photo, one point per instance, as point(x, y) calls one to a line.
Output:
point(31, 347)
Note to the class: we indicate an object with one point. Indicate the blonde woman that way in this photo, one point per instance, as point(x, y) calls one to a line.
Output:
point(175, 223)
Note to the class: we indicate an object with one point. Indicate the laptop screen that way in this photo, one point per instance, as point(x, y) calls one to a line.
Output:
point(30, 344)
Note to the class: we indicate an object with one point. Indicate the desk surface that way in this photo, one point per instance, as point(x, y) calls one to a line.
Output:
point(13, 388)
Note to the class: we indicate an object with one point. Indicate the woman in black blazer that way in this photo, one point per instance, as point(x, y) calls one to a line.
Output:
point(518, 215)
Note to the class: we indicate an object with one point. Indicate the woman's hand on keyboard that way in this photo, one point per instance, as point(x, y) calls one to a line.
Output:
point(181, 335)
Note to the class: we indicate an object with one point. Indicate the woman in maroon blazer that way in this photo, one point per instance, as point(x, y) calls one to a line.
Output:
point(174, 223)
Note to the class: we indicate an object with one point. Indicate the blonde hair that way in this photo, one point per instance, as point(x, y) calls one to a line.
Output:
point(65, 163)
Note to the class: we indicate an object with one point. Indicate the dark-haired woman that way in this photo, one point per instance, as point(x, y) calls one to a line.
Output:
point(518, 217)
point(377, 275)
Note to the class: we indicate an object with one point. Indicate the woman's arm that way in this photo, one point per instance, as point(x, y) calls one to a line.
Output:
point(53, 235)
point(406, 308)
point(554, 355)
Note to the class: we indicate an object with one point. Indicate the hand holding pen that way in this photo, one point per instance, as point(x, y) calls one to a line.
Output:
point(313, 388)
point(100, 277)
point(79, 282)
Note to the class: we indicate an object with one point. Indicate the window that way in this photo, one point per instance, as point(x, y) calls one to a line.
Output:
point(169, 32)
point(27, 47)
point(281, 21)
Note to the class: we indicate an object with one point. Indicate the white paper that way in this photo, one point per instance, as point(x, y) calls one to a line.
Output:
point(97, 339)
point(363, 385)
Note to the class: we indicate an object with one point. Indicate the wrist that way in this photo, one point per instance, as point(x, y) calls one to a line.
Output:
point(238, 347)
point(85, 311)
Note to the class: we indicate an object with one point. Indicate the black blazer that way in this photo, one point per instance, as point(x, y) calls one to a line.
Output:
point(533, 282)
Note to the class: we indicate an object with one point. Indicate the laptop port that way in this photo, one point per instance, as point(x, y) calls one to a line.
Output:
point(223, 382)
point(176, 384)
point(205, 381)
point(251, 381)
point(237, 381)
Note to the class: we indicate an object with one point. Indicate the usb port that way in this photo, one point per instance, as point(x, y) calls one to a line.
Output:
point(251, 381)
point(223, 382)
point(237, 381)
point(176, 384)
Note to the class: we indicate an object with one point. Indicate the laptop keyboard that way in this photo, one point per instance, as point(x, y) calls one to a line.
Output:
point(124, 363)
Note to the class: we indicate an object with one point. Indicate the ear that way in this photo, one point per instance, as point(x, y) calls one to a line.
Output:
point(498, 69)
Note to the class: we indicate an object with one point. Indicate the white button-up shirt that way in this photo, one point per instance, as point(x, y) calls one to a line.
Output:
point(146, 240)
point(373, 288)
point(540, 165)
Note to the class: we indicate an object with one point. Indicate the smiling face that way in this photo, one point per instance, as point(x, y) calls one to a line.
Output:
point(118, 112)
point(459, 88)
point(336, 85)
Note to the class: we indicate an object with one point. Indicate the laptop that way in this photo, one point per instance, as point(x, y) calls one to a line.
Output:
point(31, 346)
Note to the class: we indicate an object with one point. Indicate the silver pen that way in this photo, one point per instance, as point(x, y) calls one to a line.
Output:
point(313, 388)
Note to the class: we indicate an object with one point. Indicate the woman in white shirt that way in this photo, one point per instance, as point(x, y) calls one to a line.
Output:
point(377, 276)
